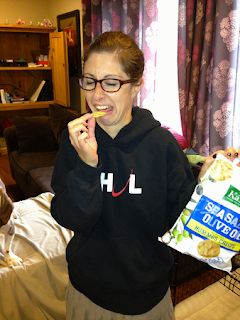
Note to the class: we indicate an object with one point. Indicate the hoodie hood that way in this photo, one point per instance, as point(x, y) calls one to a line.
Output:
point(142, 122)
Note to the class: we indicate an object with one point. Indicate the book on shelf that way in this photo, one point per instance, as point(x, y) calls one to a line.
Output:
point(2, 96)
point(46, 93)
point(35, 90)
point(17, 99)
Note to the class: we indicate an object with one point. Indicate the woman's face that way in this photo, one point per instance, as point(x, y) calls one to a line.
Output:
point(117, 105)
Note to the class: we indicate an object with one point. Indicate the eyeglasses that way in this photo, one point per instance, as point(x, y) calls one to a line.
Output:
point(108, 85)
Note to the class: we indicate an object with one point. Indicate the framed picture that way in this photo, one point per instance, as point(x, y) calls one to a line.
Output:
point(70, 23)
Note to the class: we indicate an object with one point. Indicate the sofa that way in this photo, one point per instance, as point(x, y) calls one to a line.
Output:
point(32, 145)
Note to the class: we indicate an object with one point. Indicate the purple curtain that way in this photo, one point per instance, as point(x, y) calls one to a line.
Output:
point(133, 17)
point(208, 69)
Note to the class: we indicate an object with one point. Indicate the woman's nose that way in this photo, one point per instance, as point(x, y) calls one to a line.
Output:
point(99, 92)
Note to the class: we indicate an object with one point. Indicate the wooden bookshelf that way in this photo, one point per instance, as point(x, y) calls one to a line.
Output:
point(26, 105)
point(28, 42)
point(24, 68)
point(25, 28)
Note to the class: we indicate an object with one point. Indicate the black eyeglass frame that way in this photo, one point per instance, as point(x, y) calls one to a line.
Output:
point(100, 81)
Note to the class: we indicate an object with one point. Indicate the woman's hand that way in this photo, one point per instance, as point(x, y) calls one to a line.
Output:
point(229, 153)
point(82, 137)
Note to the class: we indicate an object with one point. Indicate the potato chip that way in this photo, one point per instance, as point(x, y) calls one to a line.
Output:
point(97, 114)
point(221, 170)
point(208, 249)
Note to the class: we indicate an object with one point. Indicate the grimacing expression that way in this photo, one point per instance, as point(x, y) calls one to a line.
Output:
point(117, 105)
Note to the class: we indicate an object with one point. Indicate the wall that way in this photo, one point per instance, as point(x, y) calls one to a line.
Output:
point(57, 7)
point(36, 11)
point(28, 10)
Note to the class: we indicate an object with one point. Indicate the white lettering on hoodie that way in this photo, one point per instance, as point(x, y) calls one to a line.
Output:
point(108, 181)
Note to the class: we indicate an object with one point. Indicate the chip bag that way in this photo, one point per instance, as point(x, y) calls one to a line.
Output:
point(209, 226)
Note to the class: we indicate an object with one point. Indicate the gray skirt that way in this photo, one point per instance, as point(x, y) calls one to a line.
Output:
point(80, 307)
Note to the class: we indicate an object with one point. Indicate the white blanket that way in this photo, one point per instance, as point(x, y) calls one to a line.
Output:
point(36, 289)
point(215, 302)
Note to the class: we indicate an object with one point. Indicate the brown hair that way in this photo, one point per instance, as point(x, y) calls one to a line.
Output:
point(128, 52)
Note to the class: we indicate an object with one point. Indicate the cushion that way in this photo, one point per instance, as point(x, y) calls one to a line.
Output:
point(42, 177)
point(34, 134)
point(180, 139)
point(59, 118)
point(197, 159)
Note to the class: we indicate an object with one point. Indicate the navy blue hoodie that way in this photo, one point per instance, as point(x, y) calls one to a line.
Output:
point(117, 211)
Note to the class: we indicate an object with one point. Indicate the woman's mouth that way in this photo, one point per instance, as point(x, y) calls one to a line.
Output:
point(106, 109)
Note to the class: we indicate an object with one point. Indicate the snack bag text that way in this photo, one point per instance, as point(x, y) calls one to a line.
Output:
point(209, 226)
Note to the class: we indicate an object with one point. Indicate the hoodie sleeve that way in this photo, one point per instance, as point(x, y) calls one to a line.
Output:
point(180, 181)
point(78, 197)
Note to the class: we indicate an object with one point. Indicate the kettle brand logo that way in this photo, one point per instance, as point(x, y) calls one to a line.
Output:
point(233, 196)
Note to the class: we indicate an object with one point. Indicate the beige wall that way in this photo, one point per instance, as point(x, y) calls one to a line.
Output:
point(35, 10)
point(28, 10)
point(57, 7)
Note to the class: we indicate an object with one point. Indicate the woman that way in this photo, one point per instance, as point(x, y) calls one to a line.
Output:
point(120, 181)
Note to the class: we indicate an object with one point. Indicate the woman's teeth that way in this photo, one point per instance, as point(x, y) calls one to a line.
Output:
point(102, 107)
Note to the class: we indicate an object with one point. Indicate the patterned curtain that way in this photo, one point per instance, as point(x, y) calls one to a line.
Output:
point(135, 18)
point(209, 71)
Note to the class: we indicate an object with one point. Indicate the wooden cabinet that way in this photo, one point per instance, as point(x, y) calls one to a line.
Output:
point(20, 41)
point(60, 74)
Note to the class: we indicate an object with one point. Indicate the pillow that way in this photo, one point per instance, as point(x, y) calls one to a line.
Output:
point(180, 139)
point(34, 134)
point(194, 158)
point(59, 118)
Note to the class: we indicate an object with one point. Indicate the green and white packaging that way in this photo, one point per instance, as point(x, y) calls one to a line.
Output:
point(209, 226)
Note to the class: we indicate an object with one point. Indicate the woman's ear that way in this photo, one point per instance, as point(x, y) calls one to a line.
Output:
point(137, 87)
